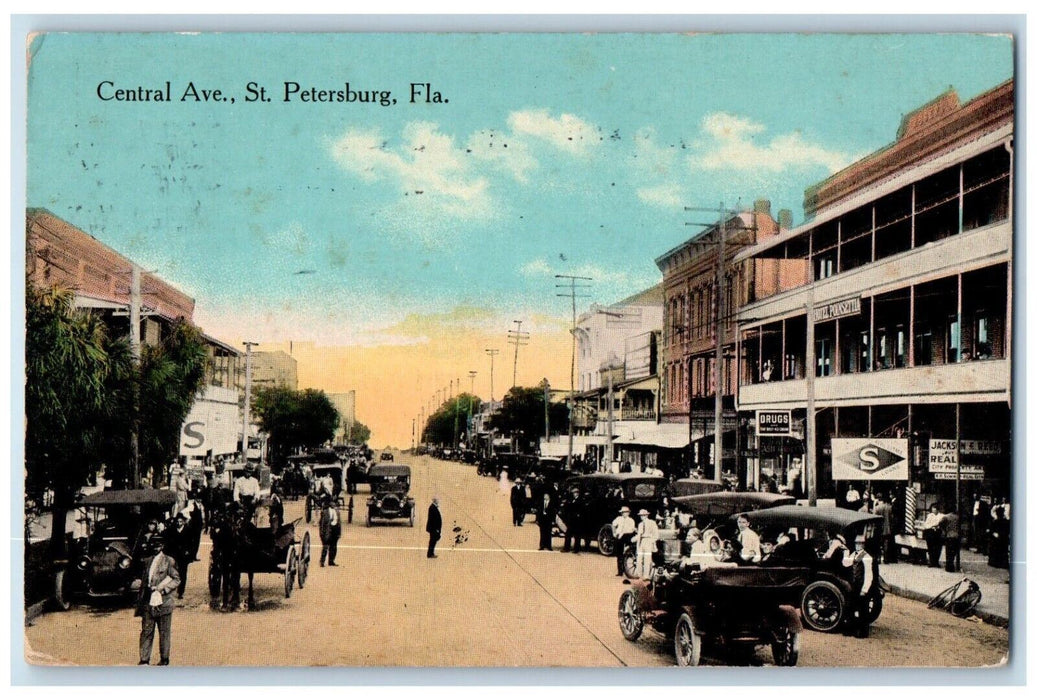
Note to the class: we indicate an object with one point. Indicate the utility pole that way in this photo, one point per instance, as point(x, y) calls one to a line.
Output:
point(718, 334)
point(248, 398)
point(491, 352)
point(547, 421)
point(572, 364)
point(471, 396)
point(135, 352)
point(413, 444)
point(517, 338)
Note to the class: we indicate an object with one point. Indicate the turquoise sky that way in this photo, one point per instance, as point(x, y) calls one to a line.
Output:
point(554, 154)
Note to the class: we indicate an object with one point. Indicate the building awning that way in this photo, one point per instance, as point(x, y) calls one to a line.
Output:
point(670, 436)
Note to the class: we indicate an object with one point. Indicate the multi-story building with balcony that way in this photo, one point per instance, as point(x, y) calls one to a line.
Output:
point(901, 338)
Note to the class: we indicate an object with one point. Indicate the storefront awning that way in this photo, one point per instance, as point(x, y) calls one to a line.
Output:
point(669, 436)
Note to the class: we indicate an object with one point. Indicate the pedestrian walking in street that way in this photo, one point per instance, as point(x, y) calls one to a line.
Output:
point(155, 603)
point(624, 529)
point(179, 544)
point(434, 527)
point(570, 514)
point(546, 514)
point(646, 539)
point(1000, 527)
point(950, 530)
point(330, 531)
point(518, 503)
point(933, 537)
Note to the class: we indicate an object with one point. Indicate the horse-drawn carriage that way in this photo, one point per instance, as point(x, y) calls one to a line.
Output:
point(324, 477)
point(254, 541)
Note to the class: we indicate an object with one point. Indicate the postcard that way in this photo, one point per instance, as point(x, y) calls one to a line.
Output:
point(497, 350)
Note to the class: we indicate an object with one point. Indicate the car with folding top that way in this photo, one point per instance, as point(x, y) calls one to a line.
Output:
point(104, 556)
point(601, 497)
point(390, 499)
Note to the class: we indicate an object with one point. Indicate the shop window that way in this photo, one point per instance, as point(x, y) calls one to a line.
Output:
point(936, 206)
point(986, 189)
point(923, 346)
point(853, 341)
point(824, 266)
point(824, 357)
point(795, 348)
point(771, 354)
point(825, 246)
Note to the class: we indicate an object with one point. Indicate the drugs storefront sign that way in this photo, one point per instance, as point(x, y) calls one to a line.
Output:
point(774, 423)
point(943, 457)
point(869, 459)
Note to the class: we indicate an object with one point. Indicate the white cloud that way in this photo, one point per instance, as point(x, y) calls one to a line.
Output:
point(664, 195)
point(426, 164)
point(503, 150)
point(536, 268)
point(539, 267)
point(566, 132)
point(731, 143)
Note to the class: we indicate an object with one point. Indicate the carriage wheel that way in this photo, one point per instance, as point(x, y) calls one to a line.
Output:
point(304, 561)
point(291, 566)
point(631, 616)
point(687, 642)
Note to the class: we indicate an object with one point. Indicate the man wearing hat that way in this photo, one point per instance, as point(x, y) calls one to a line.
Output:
point(623, 530)
point(518, 503)
point(647, 537)
point(861, 564)
point(155, 602)
point(246, 489)
point(179, 541)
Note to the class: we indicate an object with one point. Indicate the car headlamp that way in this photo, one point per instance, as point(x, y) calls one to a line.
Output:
point(125, 563)
point(83, 564)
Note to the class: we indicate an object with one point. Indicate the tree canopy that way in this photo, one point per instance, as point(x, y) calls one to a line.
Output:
point(439, 428)
point(359, 434)
point(293, 419)
point(521, 415)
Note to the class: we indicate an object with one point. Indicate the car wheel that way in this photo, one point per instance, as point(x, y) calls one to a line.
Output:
point(291, 567)
point(61, 593)
point(785, 647)
point(687, 642)
point(631, 617)
point(606, 542)
point(822, 605)
point(630, 564)
point(874, 607)
point(370, 518)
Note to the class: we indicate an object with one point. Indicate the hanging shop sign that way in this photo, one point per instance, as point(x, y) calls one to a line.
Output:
point(774, 423)
point(869, 459)
point(837, 309)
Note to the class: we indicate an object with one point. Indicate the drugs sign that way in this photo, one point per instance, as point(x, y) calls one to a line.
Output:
point(774, 422)
point(874, 459)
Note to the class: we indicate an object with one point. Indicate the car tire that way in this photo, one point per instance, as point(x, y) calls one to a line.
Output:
point(687, 642)
point(62, 597)
point(823, 606)
point(606, 541)
point(630, 564)
point(631, 616)
point(370, 518)
point(785, 647)
point(874, 608)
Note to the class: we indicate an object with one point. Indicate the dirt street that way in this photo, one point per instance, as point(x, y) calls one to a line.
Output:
point(491, 600)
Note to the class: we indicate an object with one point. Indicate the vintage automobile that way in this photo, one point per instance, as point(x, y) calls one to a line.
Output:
point(386, 457)
point(695, 487)
point(105, 563)
point(739, 606)
point(824, 599)
point(390, 484)
point(601, 497)
point(705, 511)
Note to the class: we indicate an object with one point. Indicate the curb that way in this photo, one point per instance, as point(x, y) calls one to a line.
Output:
point(33, 611)
point(987, 617)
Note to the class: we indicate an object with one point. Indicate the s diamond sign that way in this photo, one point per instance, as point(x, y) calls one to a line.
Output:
point(874, 459)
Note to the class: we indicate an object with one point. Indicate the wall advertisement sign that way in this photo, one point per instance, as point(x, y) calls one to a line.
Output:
point(943, 457)
point(774, 422)
point(869, 459)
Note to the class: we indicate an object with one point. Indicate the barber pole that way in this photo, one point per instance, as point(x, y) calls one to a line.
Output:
point(909, 510)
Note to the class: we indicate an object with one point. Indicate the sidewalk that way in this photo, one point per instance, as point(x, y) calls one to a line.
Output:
point(920, 582)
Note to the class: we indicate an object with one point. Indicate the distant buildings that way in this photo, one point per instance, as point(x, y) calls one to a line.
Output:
point(345, 402)
point(274, 368)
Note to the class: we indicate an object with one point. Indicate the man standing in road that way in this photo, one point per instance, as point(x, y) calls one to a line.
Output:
point(885, 511)
point(623, 530)
point(546, 514)
point(180, 542)
point(647, 537)
point(433, 526)
point(518, 503)
point(155, 603)
point(330, 531)
point(861, 564)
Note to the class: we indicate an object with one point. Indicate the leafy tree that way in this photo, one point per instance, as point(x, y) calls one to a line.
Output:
point(171, 373)
point(521, 415)
point(359, 433)
point(73, 369)
point(294, 419)
point(440, 427)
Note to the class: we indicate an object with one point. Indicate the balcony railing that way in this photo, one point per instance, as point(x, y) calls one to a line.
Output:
point(637, 414)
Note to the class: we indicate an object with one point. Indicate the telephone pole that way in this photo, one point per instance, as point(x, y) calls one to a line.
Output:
point(491, 352)
point(572, 286)
point(248, 397)
point(135, 352)
point(517, 338)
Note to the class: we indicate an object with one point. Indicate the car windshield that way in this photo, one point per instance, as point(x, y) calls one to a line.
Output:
point(645, 489)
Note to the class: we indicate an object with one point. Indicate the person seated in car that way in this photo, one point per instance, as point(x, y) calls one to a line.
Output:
point(749, 550)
